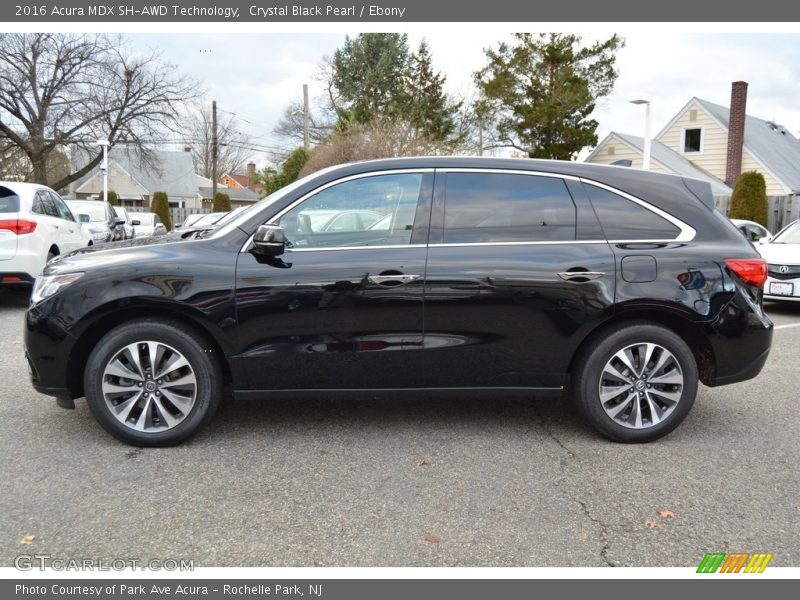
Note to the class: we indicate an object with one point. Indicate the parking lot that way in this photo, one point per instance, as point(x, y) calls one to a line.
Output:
point(428, 482)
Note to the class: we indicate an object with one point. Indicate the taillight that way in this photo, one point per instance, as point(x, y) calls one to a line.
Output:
point(752, 271)
point(18, 226)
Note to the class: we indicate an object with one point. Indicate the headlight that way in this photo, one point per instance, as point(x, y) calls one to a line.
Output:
point(48, 285)
point(101, 236)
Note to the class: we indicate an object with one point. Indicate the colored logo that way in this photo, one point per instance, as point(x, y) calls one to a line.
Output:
point(736, 562)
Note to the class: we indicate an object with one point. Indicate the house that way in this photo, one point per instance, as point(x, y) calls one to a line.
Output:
point(136, 179)
point(716, 143)
point(239, 196)
point(242, 181)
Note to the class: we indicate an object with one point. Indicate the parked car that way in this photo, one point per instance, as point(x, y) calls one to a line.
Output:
point(751, 230)
point(148, 225)
point(127, 227)
point(35, 226)
point(782, 254)
point(99, 219)
point(190, 220)
point(521, 277)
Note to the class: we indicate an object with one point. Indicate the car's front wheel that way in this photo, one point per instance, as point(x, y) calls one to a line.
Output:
point(636, 383)
point(152, 382)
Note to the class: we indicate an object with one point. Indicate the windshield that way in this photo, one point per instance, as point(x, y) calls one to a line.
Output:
point(790, 235)
point(229, 225)
point(95, 210)
point(231, 215)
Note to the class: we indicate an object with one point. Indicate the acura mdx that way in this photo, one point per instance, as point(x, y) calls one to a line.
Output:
point(620, 288)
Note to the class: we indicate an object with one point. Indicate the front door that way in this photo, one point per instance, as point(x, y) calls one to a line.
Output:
point(343, 307)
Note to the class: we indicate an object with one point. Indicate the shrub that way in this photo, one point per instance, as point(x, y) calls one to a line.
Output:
point(113, 199)
point(749, 200)
point(160, 206)
point(222, 202)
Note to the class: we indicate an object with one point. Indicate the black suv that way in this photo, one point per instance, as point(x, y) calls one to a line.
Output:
point(530, 277)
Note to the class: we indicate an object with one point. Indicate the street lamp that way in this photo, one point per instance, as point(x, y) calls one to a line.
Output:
point(646, 158)
point(104, 167)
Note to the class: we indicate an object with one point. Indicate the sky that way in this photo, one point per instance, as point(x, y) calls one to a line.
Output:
point(255, 75)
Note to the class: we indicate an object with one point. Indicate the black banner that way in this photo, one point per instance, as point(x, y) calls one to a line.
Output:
point(396, 589)
point(403, 11)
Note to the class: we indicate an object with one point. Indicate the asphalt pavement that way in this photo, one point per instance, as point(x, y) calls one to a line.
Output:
point(426, 482)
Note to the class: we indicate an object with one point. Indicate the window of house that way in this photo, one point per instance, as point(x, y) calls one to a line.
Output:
point(692, 139)
point(499, 207)
point(612, 150)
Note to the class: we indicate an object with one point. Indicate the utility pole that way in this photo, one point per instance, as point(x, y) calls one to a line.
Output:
point(214, 150)
point(104, 167)
point(305, 117)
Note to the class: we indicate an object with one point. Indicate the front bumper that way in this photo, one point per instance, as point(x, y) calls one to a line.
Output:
point(48, 347)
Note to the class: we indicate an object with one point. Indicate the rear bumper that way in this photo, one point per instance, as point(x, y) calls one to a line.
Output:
point(16, 278)
point(740, 337)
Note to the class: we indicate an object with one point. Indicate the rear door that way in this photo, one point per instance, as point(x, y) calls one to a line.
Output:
point(342, 308)
point(517, 274)
point(48, 230)
point(71, 237)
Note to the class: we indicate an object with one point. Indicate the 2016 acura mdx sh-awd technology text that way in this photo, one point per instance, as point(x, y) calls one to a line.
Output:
point(623, 287)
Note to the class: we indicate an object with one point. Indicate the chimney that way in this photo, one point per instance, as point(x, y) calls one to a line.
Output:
point(733, 166)
point(251, 172)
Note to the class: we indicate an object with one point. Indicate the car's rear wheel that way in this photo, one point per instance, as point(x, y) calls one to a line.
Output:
point(636, 383)
point(152, 382)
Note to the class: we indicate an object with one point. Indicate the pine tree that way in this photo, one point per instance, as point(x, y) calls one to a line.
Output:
point(545, 88)
point(429, 109)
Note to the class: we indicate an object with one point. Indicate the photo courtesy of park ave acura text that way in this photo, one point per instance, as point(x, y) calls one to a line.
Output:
point(392, 293)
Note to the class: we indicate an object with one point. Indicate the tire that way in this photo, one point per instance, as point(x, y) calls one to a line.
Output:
point(145, 409)
point(650, 405)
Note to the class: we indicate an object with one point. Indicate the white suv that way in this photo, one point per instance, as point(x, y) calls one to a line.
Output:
point(35, 226)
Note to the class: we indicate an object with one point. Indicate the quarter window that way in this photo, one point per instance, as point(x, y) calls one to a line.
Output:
point(623, 219)
point(376, 210)
point(45, 204)
point(501, 207)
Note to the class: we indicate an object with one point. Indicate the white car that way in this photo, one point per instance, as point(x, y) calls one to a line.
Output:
point(147, 224)
point(782, 253)
point(35, 226)
point(751, 230)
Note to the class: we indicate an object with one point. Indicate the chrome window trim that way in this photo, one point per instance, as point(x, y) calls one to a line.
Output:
point(324, 187)
point(507, 172)
point(686, 234)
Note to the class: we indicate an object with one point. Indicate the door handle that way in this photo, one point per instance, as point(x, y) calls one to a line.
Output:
point(575, 275)
point(392, 279)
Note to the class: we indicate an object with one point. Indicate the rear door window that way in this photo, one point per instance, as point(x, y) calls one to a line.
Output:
point(46, 204)
point(507, 207)
point(61, 207)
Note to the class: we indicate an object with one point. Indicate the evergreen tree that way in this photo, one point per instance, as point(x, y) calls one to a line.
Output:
point(429, 109)
point(160, 206)
point(545, 87)
point(369, 74)
point(221, 202)
point(749, 199)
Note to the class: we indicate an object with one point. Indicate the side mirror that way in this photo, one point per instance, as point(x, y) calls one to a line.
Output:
point(83, 218)
point(136, 222)
point(118, 222)
point(269, 240)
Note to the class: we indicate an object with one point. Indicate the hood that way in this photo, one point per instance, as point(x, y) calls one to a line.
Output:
point(137, 250)
point(785, 254)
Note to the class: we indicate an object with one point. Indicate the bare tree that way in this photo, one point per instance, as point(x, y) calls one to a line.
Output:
point(382, 137)
point(235, 147)
point(60, 89)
